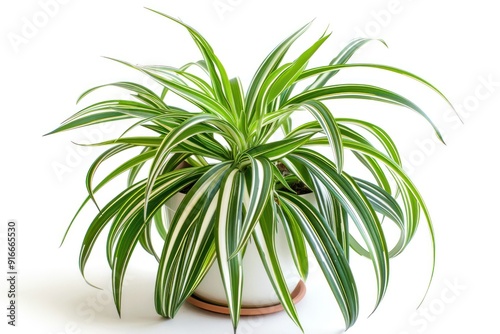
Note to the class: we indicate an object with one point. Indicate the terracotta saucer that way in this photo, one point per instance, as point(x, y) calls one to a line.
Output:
point(297, 296)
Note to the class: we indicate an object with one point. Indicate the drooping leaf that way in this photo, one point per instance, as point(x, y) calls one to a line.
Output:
point(328, 252)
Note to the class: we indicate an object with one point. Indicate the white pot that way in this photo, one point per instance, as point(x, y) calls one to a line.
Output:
point(257, 290)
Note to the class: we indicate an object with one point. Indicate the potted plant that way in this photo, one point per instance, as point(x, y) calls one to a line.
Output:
point(242, 183)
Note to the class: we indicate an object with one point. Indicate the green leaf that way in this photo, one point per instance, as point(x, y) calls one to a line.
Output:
point(199, 99)
point(228, 220)
point(296, 243)
point(260, 179)
point(140, 90)
point(216, 70)
point(103, 157)
point(329, 125)
point(135, 170)
point(181, 75)
point(134, 225)
point(310, 128)
point(379, 133)
point(327, 70)
point(342, 187)
point(357, 91)
point(135, 161)
point(264, 236)
point(342, 58)
point(328, 252)
point(287, 78)
point(238, 97)
point(280, 178)
point(146, 241)
point(381, 201)
point(90, 120)
point(268, 66)
point(184, 131)
point(125, 107)
point(333, 212)
point(404, 181)
point(197, 208)
point(278, 149)
point(160, 223)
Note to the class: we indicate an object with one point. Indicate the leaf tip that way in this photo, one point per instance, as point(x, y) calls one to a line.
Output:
point(92, 285)
point(51, 132)
point(383, 42)
point(440, 137)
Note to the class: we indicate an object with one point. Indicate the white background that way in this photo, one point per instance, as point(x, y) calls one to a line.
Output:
point(452, 44)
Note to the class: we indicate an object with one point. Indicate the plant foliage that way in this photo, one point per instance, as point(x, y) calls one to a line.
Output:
point(236, 191)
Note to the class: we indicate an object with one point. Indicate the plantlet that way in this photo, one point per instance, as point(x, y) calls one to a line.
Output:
point(236, 188)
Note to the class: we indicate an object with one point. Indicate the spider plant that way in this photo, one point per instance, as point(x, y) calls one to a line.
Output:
point(236, 192)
